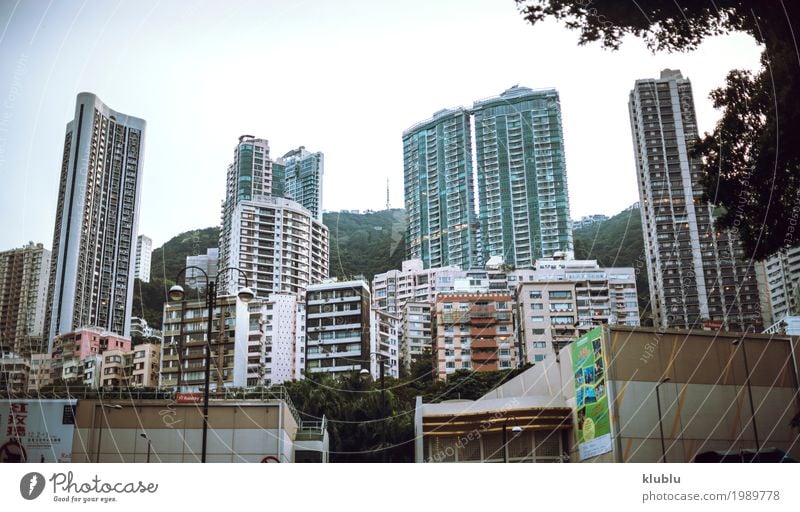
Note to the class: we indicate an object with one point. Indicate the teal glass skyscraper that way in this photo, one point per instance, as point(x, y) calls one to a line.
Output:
point(440, 209)
point(302, 179)
point(522, 179)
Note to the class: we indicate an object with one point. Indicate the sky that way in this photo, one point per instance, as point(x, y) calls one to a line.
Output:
point(345, 78)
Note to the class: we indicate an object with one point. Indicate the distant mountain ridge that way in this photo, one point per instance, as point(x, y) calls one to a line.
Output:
point(618, 242)
point(365, 244)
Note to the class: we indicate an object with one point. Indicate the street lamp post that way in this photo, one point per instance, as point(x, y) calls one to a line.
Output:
point(100, 435)
point(516, 430)
point(660, 422)
point(144, 436)
point(176, 293)
point(735, 343)
point(382, 358)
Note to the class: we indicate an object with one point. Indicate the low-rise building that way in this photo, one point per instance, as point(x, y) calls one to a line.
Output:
point(415, 332)
point(386, 329)
point(472, 331)
point(609, 395)
point(567, 298)
point(393, 288)
point(183, 352)
point(338, 328)
point(14, 372)
point(72, 348)
point(41, 372)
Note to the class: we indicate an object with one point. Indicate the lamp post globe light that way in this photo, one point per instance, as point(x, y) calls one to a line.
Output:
point(516, 430)
point(176, 294)
point(382, 360)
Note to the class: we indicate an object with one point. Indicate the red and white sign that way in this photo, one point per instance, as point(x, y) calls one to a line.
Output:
point(189, 398)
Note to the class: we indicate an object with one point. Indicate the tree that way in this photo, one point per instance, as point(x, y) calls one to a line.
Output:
point(751, 161)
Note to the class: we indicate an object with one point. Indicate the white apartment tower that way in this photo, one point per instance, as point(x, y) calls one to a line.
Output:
point(698, 277)
point(277, 242)
point(144, 252)
point(97, 215)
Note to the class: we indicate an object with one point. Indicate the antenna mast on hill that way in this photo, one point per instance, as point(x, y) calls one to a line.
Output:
point(387, 193)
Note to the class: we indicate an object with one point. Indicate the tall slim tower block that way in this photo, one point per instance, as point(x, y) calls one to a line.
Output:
point(144, 253)
point(280, 244)
point(522, 178)
point(698, 277)
point(440, 209)
point(302, 175)
point(97, 213)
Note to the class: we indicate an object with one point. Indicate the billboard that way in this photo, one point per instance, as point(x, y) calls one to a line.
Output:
point(591, 395)
point(36, 430)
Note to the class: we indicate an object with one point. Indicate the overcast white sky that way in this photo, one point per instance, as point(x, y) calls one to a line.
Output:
point(343, 77)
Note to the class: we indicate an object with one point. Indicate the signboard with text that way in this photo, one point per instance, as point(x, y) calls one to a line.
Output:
point(591, 395)
point(36, 430)
point(189, 398)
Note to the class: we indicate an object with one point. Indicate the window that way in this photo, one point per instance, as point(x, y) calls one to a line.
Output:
point(537, 358)
point(561, 294)
point(450, 364)
point(537, 319)
point(539, 344)
point(537, 305)
point(536, 294)
point(538, 332)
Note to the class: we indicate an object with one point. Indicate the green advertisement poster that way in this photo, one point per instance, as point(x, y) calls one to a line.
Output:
point(591, 395)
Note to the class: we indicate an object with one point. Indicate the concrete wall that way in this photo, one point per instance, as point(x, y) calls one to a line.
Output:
point(242, 431)
point(705, 405)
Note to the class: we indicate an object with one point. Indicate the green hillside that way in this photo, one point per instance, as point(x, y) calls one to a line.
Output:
point(366, 244)
point(372, 243)
point(618, 242)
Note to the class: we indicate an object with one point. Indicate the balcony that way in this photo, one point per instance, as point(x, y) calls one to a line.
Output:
point(484, 357)
point(483, 343)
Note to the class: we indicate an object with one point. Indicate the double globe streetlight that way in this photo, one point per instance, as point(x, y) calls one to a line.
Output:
point(176, 294)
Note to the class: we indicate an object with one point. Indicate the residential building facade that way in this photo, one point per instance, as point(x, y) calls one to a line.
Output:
point(302, 179)
point(386, 331)
point(439, 200)
point(522, 178)
point(41, 371)
point(472, 331)
point(339, 335)
point(24, 275)
point(782, 280)
point(77, 355)
point(207, 262)
point(568, 298)
point(183, 352)
point(278, 244)
point(272, 353)
point(144, 253)
point(415, 333)
point(393, 288)
point(698, 276)
point(97, 215)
